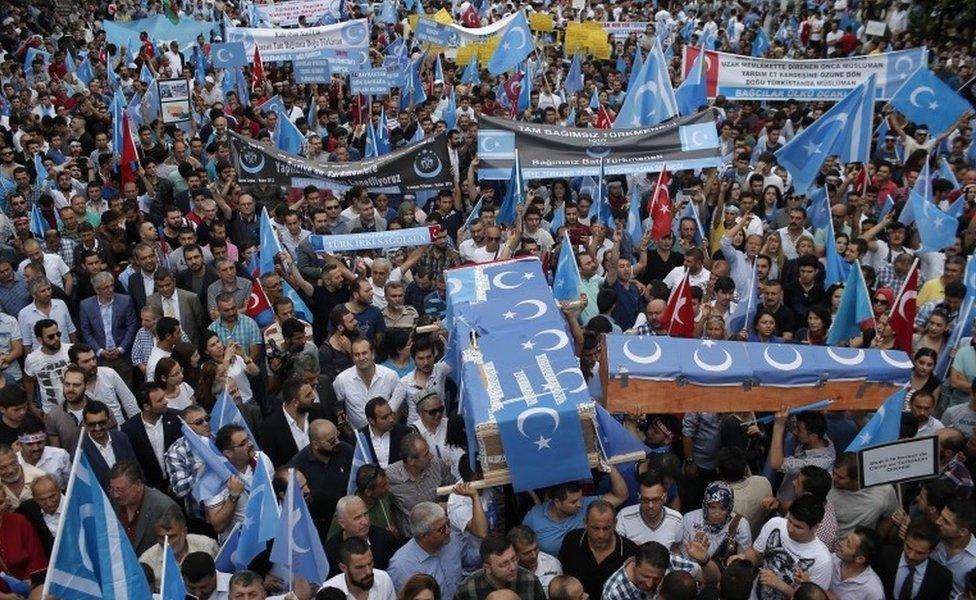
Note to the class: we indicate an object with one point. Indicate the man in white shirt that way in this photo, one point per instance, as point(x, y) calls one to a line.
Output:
point(921, 406)
point(34, 452)
point(44, 366)
point(650, 520)
point(383, 433)
point(167, 336)
point(698, 274)
point(57, 271)
point(427, 375)
point(543, 565)
point(853, 576)
point(104, 384)
point(355, 386)
point(359, 579)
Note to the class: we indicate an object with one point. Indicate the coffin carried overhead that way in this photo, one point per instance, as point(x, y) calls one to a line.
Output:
point(656, 374)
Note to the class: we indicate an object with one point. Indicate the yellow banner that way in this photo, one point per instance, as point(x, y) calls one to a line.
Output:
point(443, 17)
point(541, 22)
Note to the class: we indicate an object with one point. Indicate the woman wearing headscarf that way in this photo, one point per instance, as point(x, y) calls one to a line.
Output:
point(727, 532)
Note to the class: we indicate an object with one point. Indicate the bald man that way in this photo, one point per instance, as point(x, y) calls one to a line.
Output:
point(566, 587)
point(503, 595)
point(649, 323)
point(326, 463)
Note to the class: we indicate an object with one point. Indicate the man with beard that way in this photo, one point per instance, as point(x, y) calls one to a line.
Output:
point(35, 452)
point(359, 580)
point(311, 264)
point(331, 290)
point(326, 462)
point(286, 431)
point(355, 386)
point(43, 366)
point(226, 509)
point(427, 375)
point(104, 383)
point(197, 276)
point(501, 571)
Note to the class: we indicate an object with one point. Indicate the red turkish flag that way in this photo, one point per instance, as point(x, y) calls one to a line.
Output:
point(513, 87)
point(902, 315)
point(257, 69)
point(659, 207)
point(603, 119)
point(862, 181)
point(257, 303)
point(129, 163)
point(469, 18)
point(679, 318)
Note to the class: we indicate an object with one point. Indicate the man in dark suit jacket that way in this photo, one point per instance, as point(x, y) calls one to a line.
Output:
point(384, 427)
point(144, 257)
point(137, 504)
point(102, 446)
point(297, 410)
point(895, 563)
point(192, 318)
point(124, 325)
point(156, 414)
point(353, 520)
point(197, 272)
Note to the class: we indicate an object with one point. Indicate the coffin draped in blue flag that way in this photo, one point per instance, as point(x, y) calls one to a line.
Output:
point(662, 374)
point(525, 403)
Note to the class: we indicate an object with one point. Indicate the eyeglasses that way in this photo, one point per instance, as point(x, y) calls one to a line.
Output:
point(97, 425)
point(198, 422)
point(493, 239)
point(435, 411)
point(881, 301)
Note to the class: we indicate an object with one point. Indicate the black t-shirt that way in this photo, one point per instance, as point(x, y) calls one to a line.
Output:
point(577, 560)
point(785, 320)
point(658, 268)
point(323, 301)
point(8, 435)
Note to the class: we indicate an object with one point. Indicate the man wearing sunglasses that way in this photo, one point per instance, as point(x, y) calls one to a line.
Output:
point(103, 448)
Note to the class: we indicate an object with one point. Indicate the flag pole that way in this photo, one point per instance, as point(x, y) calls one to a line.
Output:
point(72, 476)
point(867, 292)
point(289, 503)
point(162, 575)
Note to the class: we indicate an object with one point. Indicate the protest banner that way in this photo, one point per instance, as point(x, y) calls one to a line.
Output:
point(547, 151)
point(375, 81)
point(157, 27)
point(432, 32)
point(623, 29)
point(312, 70)
point(287, 13)
point(541, 22)
point(896, 462)
point(288, 44)
point(421, 166)
point(463, 36)
point(174, 100)
point(354, 242)
point(744, 78)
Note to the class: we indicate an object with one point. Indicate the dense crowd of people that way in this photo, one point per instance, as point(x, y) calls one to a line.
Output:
point(126, 319)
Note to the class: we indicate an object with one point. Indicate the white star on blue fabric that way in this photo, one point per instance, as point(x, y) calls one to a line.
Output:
point(812, 148)
point(509, 315)
point(528, 276)
point(542, 442)
point(529, 345)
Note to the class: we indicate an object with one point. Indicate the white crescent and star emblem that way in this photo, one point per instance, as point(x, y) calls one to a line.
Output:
point(648, 359)
point(725, 365)
point(489, 143)
point(86, 512)
point(542, 442)
point(562, 340)
point(222, 55)
point(454, 286)
point(582, 385)
point(895, 362)
point(906, 296)
point(499, 281)
point(913, 97)
point(677, 309)
point(789, 366)
point(904, 73)
point(857, 359)
point(508, 45)
point(540, 309)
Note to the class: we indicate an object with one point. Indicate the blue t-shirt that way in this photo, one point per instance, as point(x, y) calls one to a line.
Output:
point(370, 321)
point(550, 533)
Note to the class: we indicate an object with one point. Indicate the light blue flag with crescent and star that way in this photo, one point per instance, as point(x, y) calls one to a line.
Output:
point(836, 268)
point(171, 586)
point(228, 55)
point(471, 76)
point(514, 194)
point(651, 99)
point(297, 545)
point(760, 43)
point(818, 211)
point(515, 44)
point(574, 77)
point(693, 91)
point(854, 309)
point(936, 229)
point(884, 426)
point(287, 137)
point(745, 310)
point(844, 130)
point(634, 226)
point(635, 68)
point(567, 281)
point(260, 519)
point(92, 558)
point(216, 468)
point(945, 172)
point(922, 189)
point(361, 456)
point(225, 412)
point(450, 111)
point(925, 99)
point(85, 73)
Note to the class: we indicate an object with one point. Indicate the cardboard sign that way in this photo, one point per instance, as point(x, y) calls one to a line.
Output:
point(541, 22)
point(174, 100)
point(875, 28)
point(896, 462)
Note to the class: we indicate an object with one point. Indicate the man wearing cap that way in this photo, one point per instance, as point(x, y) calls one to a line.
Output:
point(211, 94)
